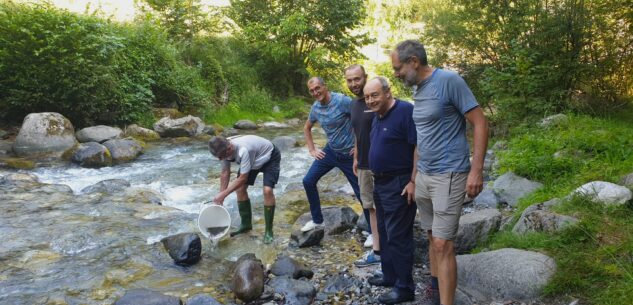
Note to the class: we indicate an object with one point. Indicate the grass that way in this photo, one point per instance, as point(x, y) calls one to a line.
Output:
point(594, 257)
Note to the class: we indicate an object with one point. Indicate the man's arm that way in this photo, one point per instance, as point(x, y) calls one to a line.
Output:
point(225, 175)
point(475, 181)
point(355, 164)
point(307, 132)
point(237, 183)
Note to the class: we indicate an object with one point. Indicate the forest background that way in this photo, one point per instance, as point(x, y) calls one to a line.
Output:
point(524, 60)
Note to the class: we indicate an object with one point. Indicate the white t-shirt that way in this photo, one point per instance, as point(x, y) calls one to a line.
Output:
point(251, 152)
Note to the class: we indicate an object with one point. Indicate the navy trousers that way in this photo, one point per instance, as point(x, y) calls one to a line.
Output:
point(395, 225)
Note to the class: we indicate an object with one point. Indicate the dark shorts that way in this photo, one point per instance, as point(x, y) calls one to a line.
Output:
point(270, 170)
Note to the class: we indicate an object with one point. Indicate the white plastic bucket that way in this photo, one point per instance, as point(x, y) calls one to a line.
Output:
point(214, 216)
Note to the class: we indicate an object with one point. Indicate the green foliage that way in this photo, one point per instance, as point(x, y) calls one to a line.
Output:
point(294, 37)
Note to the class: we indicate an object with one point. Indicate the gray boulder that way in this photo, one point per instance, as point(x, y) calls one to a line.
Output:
point(504, 274)
point(248, 278)
point(294, 122)
point(541, 220)
point(275, 125)
point(296, 292)
point(605, 192)
point(336, 219)
point(19, 180)
point(46, 133)
point(210, 130)
point(627, 180)
point(201, 299)
point(92, 154)
point(146, 297)
point(287, 266)
point(554, 120)
point(487, 198)
point(143, 195)
point(107, 186)
point(123, 150)
point(307, 239)
point(362, 224)
point(184, 248)
point(188, 126)
point(99, 134)
point(475, 228)
point(140, 133)
point(229, 132)
point(284, 143)
point(510, 188)
point(245, 125)
point(340, 283)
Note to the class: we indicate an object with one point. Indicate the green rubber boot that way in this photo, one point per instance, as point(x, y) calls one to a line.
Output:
point(269, 215)
point(247, 217)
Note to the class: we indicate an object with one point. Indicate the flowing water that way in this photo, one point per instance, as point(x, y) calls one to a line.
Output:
point(62, 246)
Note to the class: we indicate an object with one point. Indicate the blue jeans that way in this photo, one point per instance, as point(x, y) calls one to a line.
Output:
point(332, 159)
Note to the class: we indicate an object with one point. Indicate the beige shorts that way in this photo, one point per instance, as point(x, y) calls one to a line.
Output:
point(366, 185)
point(439, 198)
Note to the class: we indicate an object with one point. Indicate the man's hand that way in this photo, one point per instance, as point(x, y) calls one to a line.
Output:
point(355, 167)
point(219, 198)
point(409, 191)
point(317, 154)
point(474, 183)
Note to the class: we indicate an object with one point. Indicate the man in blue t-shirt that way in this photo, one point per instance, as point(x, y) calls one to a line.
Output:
point(391, 154)
point(443, 104)
point(332, 110)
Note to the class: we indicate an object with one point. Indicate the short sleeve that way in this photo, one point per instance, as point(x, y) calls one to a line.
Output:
point(412, 133)
point(245, 161)
point(346, 104)
point(313, 116)
point(460, 95)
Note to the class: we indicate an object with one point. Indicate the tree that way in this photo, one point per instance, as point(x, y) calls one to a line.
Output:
point(292, 37)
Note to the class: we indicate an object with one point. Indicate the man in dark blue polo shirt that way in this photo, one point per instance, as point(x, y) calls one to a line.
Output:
point(391, 154)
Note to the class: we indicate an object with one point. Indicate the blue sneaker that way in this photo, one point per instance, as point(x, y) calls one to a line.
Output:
point(368, 259)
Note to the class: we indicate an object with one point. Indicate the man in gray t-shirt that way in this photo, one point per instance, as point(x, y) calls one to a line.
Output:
point(443, 104)
point(254, 155)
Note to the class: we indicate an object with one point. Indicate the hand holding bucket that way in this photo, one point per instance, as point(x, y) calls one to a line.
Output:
point(214, 221)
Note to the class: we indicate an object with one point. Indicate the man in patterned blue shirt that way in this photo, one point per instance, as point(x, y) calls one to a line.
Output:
point(333, 111)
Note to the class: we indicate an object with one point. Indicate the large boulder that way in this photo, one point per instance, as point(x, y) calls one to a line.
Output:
point(504, 274)
point(284, 143)
point(307, 239)
point(188, 126)
point(336, 220)
point(287, 266)
point(245, 125)
point(542, 221)
point(296, 292)
point(140, 133)
point(184, 248)
point(46, 133)
point(99, 134)
point(108, 186)
point(605, 192)
point(475, 228)
point(92, 154)
point(146, 297)
point(510, 188)
point(123, 150)
point(248, 278)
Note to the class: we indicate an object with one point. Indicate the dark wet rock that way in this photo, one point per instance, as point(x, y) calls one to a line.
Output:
point(285, 265)
point(504, 274)
point(487, 198)
point(188, 126)
point(307, 239)
point(476, 227)
point(202, 299)
point(140, 133)
point(46, 133)
point(296, 292)
point(209, 130)
point(230, 132)
point(362, 224)
point(510, 188)
point(123, 150)
point(107, 186)
point(184, 248)
point(92, 154)
point(336, 219)
point(99, 134)
point(146, 297)
point(245, 125)
point(248, 278)
point(605, 192)
point(538, 218)
point(340, 283)
point(284, 143)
